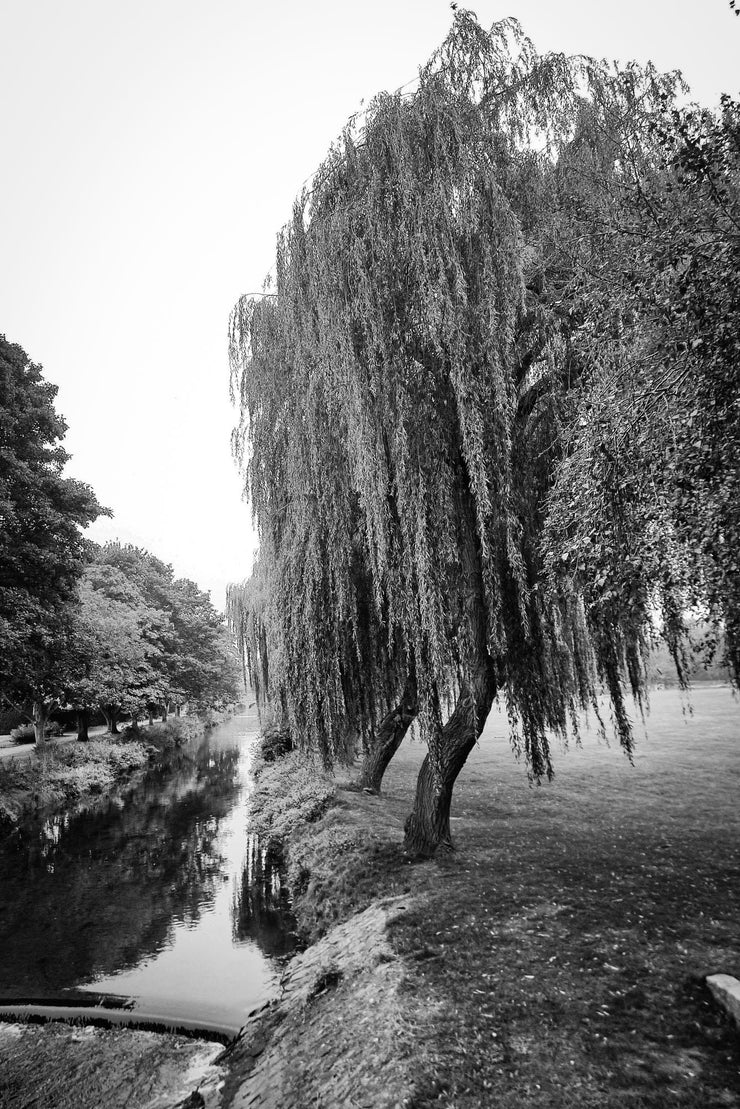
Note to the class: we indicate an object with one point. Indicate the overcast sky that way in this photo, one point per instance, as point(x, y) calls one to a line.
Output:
point(150, 152)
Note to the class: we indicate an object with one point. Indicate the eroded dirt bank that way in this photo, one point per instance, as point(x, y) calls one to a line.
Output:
point(335, 1036)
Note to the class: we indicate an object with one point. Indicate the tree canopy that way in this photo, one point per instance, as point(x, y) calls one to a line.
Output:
point(79, 624)
point(425, 398)
point(645, 510)
point(188, 652)
point(42, 514)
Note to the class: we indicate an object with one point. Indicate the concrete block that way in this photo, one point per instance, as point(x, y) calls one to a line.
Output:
point(726, 991)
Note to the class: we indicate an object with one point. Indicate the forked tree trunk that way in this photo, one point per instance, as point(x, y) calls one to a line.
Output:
point(428, 825)
point(388, 739)
point(83, 725)
point(40, 715)
point(110, 712)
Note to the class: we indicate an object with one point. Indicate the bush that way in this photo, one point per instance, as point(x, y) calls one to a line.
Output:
point(24, 733)
point(275, 742)
point(177, 732)
point(290, 794)
point(66, 775)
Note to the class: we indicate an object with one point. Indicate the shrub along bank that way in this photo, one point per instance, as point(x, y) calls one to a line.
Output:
point(61, 777)
point(341, 851)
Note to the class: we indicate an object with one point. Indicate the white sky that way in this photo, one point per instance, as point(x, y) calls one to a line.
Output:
point(150, 152)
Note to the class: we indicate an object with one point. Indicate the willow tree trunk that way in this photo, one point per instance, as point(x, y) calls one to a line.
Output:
point(428, 825)
point(83, 725)
point(388, 739)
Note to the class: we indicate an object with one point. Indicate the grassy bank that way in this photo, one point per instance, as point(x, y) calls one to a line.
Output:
point(342, 851)
point(557, 957)
point(60, 777)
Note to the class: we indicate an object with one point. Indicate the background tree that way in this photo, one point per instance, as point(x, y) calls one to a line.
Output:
point(441, 298)
point(114, 657)
point(246, 616)
point(195, 659)
point(42, 549)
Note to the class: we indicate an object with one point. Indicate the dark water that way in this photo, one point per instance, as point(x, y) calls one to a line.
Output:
point(161, 897)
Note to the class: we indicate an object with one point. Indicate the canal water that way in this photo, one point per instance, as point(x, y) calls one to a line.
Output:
point(161, 902)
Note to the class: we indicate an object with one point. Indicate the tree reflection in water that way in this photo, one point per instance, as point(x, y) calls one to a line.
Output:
point(261, 908)
point(88, 896)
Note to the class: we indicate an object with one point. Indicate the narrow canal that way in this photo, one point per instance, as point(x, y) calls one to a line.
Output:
point(160, 901)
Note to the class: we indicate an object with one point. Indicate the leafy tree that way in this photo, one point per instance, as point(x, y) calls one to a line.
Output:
point(114, 656)
point(195, 659)
point(42, 549)
point(407, 399)
point(645, 513)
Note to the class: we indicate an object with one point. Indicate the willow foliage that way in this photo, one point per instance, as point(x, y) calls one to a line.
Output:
point(404, 393)
point(247, 616)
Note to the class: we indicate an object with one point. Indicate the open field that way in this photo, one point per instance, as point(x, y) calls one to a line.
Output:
point(559, 951)
point(559, 956)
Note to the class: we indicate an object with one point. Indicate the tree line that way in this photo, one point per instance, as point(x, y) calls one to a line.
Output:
point(82, 626)
point(489, 423)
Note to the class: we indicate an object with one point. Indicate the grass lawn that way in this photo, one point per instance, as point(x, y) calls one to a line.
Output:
point(558, 954)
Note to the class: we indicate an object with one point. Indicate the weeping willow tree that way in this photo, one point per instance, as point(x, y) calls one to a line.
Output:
point(247, 606)
point(342, 678)
point(405, 396)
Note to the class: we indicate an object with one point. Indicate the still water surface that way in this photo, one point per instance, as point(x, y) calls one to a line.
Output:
point(161, 897)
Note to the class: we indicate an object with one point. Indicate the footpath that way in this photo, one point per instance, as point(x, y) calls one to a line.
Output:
point(9, 749)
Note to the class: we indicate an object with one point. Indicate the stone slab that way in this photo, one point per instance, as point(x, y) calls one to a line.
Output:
point(726, 990)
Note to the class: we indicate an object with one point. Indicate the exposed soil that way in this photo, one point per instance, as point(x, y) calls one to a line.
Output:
point(332, 1038)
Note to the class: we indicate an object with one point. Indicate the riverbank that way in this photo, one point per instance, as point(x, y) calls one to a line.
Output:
point(68, 775)
point(556, 958)
point(77, 907)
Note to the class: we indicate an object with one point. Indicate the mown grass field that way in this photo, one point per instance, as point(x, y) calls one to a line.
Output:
point(559, 953)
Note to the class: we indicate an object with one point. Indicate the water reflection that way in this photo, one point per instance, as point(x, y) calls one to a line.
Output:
point(150, 892)
point(261, 900)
